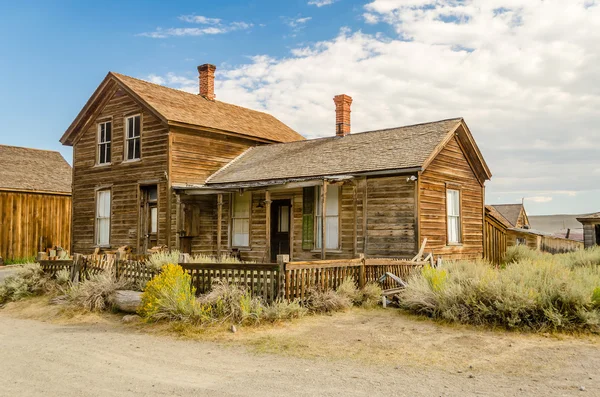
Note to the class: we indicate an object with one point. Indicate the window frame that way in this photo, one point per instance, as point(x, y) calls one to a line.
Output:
point(458, 189)
point(127, 139)
point(99, 144)
point(234, 218)
point(97, 242)
point(316, 217)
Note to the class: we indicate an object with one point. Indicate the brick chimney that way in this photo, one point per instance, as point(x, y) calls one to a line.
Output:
point(342, 114)
point(207, 81)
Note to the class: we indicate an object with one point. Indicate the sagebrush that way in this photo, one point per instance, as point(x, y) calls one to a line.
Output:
point(29, 280)
point(95, 294)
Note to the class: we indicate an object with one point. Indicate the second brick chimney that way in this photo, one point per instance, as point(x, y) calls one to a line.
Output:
point(207, 81)
point(342, 114)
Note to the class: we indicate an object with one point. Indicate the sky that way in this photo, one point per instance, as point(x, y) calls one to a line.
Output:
point(522, 73)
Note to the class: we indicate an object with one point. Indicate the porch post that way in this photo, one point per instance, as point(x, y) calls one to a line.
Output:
point(219, 221)
point(354, 228)
point(267, 226)
point(323, 218)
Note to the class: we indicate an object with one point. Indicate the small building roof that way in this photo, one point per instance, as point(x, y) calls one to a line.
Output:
point(498, 216)
point(402, 148)
point(26, 169)
point(184, 108)
point(510, 212)
point(589, 217)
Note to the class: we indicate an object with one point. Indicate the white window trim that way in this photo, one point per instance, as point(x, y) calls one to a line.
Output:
point(234, 218)
point(100, 143)
point(450, 216)
point(128, 139)
point(97, 218)
point(327, 216)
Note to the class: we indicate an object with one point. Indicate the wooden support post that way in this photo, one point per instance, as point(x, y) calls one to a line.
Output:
point(281, 261)
point(75, 269)
point(361, 274)
point(219, 221)
point(267, 226)
point(364, 209)
point(323, 219)
point(355, 226)
point(178, 223)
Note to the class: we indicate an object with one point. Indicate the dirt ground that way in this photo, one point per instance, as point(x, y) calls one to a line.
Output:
point(358, 353)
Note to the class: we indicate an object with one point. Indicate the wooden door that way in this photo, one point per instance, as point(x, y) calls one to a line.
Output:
point(280, 228)
point(149, 217)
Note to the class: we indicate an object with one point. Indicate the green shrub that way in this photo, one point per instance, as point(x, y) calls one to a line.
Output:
point(326, 301)
point(530, 294)
point(28, 281)
point(228, 302)
point(284, 310)
point(168, 296)
point(158, 259)
point(20, 261)
point(95, 294)
point(367, 297)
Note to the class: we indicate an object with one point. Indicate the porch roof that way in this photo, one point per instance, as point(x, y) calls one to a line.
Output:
point(402, 148)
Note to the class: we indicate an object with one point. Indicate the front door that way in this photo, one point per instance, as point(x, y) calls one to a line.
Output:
point(149, 217)
point(280, 228)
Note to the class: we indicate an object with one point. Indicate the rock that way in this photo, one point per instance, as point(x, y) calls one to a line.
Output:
point(131, 318)
point(127, 301)
point(471, 376)
point(581, 388)
point(233, 329)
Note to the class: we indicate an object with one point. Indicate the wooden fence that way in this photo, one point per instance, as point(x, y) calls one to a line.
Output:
point(283, 280)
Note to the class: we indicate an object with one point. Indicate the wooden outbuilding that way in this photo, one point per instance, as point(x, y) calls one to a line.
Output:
point(35, 201)
point(591, 229)
point(158, 166)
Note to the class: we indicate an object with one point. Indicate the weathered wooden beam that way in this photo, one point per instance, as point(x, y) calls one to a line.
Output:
point(267, 226)
point(219, 221)
point(364, 208)
point(355, 226)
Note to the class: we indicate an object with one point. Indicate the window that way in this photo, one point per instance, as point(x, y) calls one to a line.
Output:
point(521, 241)
point(241, 219)
point(453, 211)
point(284, 219)
point(332, 218)
point(103, 217)
point(104, 139)
point(132, 141)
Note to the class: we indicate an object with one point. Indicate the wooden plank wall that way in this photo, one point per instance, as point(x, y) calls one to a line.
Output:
point(122, 177)
point(25, 218)
point(495, 240)
point(451, 166)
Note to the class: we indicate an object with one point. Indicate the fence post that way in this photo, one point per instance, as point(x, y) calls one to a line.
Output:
point(184, 258)
point(117, 261)
point(281, 261)
point(361, 273)
point(75, 268)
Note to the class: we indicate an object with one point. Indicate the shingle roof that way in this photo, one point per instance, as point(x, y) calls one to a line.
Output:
point(493, 212)
point(33, 169)
point(183, 107)
point(390, 149)
point(510, 212)
point(595, 216)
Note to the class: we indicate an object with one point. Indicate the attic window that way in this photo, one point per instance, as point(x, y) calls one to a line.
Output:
point(132, 142)
point(104, 140)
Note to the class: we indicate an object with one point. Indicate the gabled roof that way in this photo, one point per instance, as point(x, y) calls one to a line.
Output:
point(403, 148)
point(498, 216)
point(510, 212)
point(182, 108)
point(25, 169)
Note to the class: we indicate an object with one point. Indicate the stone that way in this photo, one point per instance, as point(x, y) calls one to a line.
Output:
point(233, 329)
point(127, 301)
point(131, 318)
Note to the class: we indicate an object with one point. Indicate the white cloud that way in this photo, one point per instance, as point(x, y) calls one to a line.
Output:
point(321, 3)
point(296, 22)
point(539, 199)
point(216, 27)
point(200, 19)
point(523, 73)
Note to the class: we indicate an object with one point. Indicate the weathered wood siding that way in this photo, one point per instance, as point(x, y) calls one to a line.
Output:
point(195, 155)
point(538, 242)
point(495, 240)
point(123, 178)
point(589, 235)
point(451, 166)
point(30, 219)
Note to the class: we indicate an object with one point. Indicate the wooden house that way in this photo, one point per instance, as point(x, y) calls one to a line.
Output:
point(591, 229)
point(157, 166)
point(35, 201)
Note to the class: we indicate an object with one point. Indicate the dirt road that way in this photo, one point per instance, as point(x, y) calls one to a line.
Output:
point(45, 359)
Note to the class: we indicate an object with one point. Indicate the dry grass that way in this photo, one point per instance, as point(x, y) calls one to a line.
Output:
point(95, 294)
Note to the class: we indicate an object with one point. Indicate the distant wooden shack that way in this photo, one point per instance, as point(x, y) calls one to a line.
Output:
point(35, 201)
point(591, 229)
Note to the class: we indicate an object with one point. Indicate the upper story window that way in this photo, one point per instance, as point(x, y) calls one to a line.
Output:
point(241, 219)
point(132, 137)
point(104, 140)
point(453, 213)
point(332, 218)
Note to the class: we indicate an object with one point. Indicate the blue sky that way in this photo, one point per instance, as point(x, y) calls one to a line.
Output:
point(521, 72)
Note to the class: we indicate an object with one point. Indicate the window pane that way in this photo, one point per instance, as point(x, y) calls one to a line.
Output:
point(107, 156)
point(103, 231)
point(130, 127)
point(241, 204)
point(332, 232)
point(101, 154)
point(129, 149)
point(152, 194)
point(108, 132)
point(284, 219)
point(136, 146)
point(319, 234)
point(318, 205)
point(153, 220)
point(453, 202)
point(241, 234)
point(136, 126)
point(333, 193)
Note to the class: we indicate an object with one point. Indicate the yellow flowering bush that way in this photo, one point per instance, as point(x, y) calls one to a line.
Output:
point(169, 296)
